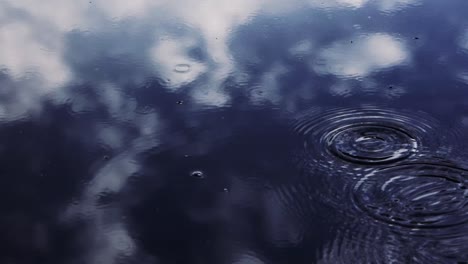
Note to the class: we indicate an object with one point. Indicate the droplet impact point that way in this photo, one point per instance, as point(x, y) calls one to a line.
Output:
point(197, 174)
point(182, 68)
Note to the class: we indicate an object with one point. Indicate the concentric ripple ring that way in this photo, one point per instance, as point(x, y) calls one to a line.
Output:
point(371, 143)
point(416, 195)
point(367, 135)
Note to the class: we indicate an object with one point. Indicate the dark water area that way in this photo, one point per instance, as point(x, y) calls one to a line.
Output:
point(243, 132)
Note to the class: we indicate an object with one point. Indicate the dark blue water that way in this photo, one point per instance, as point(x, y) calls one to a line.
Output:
point(243, 132)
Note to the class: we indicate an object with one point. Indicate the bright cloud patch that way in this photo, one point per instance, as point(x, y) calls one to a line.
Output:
point(395, 5)
point(174, 64)
point(382, 5)
point(361, 57)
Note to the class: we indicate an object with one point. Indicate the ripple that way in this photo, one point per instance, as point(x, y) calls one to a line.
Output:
point(197, 174)
point(371, 143)
point(416, 195)
point(359, 244)
point(182, 68)
point(366, 136)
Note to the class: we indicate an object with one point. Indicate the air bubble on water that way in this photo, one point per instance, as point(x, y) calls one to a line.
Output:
point(182, 68)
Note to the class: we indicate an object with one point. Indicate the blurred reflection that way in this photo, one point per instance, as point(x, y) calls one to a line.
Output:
point(464, 41)
point(174, 63)
point(34, 55)
point(382, 5)
point(107, 108)
point(395, 5)
point(361, 56)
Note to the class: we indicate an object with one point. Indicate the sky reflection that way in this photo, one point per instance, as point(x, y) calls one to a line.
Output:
point(148, 91)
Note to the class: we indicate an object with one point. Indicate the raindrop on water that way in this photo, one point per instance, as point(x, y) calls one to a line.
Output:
point(371, 143)
point(367, 135)
point(197, 174)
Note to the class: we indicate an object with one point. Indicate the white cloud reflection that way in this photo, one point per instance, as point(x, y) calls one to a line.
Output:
point(169, 54)
point(123, 8)
point(24, 53)
point(362, 56)
point(337, 3)
point(215, 20)
point(395, 5)
point(382, 5)
point(107, 236)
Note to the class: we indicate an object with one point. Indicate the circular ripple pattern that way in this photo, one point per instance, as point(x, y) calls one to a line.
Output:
point(419, 195)
point(367, 135)
point(371, 143)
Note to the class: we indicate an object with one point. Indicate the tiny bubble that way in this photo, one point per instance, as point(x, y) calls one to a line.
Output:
point(180, 102)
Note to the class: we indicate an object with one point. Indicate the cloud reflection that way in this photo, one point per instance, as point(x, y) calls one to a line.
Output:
point(382, 5)
point(169, 54)
point(395, 5)
point(23, 53)
point(362, 56)
point(42, 56)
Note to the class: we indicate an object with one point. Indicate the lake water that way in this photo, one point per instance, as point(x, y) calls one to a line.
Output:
point(233, 132)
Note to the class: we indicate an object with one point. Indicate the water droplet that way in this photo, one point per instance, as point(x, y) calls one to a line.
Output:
point(197, 174)
point(182, 68)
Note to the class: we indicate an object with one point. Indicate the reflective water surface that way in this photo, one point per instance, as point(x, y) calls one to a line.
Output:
point(243, 132)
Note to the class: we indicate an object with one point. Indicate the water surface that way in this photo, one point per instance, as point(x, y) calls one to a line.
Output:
point(240, 132)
